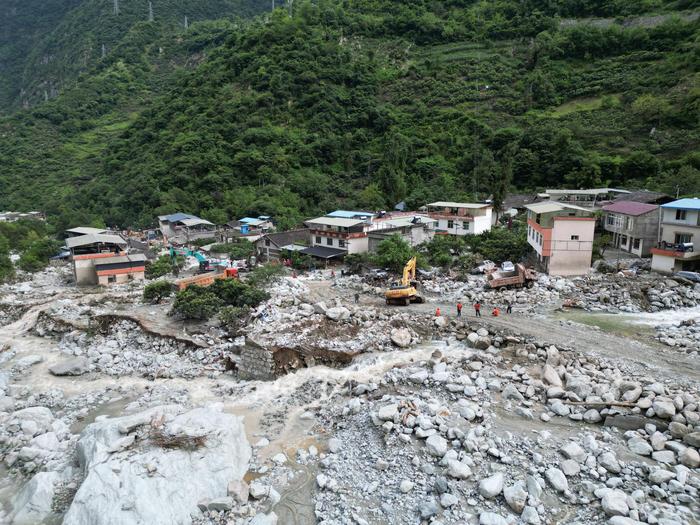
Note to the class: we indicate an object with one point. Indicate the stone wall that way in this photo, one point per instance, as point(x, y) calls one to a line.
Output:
point(256, 362)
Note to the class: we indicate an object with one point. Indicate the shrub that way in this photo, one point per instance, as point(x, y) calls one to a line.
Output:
point(196, 303)
point(232, 317)
point(163, 266)
point(235, 293)
point(237, 250)
point(265, 274)
point(36, 256)
point(393, 253)
point(157, 291)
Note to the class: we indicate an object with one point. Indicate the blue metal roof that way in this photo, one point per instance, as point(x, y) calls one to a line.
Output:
point(178, 217)
point(344, 214)
point(683, 204)
point(248, 219)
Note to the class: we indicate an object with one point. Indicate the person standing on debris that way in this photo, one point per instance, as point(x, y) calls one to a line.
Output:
point(477, 309)
point(496, 312)
point(509, 307)
point(437, 312)
point(459, 309)
point(357, 297)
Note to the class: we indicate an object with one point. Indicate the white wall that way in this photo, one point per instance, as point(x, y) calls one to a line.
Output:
point(483, 224)
point(571, 256)
point(663, 264)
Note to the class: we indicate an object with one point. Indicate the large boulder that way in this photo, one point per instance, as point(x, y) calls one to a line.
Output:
point(33, 503)
point(34, 420)
point(401, 337)
point(71, 367)
point(180, 460)
point(338, 313)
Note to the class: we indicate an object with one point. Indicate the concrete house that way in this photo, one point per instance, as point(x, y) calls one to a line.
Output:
point(102, 259)
point(679, 233)
point(415, 229)
point(562, 236)
point(338, 235)
point(182, 228)
point(461, 218)
point(271, 245)
point(595, 197)
point(634, 226)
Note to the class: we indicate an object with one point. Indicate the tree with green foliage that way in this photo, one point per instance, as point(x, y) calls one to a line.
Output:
point(501, 244)
point(156, 291)
point(7, 269)
point(393, 253)
point(164, 265)
point(36, 255)
point(196, 303)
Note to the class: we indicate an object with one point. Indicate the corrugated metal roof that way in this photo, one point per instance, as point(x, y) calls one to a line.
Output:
point(550, 207)
point(447, 204)
point(323, 253)
point(630, 208)
point(591, 191)
point(94, 238)
point(86, 230)
point(345, 214)
point(174, 217)
point(195, 221)
point(335, 221)
point(132, 257)
point(684, 204)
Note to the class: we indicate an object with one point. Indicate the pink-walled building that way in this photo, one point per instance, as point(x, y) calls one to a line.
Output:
point(562, 236)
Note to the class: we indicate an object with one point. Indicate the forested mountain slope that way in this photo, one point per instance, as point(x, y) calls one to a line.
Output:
point(365, 103)
point(45, 44)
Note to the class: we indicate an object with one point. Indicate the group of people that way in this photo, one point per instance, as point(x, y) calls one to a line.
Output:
point(477, 309)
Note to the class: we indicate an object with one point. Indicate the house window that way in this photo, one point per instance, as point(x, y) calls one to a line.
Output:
point(454, 211)
point(636, 244)
point(681, 215)
point(628, 223)
point(112, 279)
point(318, 239)
point(341, 243)
point(623, 240)
point(465, 225)
point(329, 241)
point(574, 237)
point(450, 225)
point(537, 218)
point(610, 220)
point(267, 242)
point(682, 238)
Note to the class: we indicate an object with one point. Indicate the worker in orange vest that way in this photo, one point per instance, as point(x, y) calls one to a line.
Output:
point(437, 312)
point(459, 309)
point(496, 312)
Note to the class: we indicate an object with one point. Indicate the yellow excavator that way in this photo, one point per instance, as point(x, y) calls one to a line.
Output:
point(404, 292)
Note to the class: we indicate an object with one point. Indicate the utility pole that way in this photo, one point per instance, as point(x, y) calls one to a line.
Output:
point(116, 7)
point(150, 11)
point(273, 5)
point(187, 24)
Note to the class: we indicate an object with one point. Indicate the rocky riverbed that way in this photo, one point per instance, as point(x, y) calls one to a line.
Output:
point(110, 413)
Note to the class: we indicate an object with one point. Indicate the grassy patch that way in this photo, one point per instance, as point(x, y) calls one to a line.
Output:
point(580, 104)
point(611, 323)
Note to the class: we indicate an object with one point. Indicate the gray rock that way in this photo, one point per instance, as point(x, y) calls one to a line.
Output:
point(639, 445)
point(71, 367)
point(457, 469)
point(530, 516)
point(550, 376)
point(609, 462)
point(516, 496)
point(436, 445)
point(41, 418)
point(118, 489)
point(664, 409)
point(592, 416)
point(491, 518)
point(387, 412)
point(660, 475)
point(573, 451)
point(557, 479)
point(32, 504)
point(492, 486)
point(448, 500)
point(621, 520)
point(570, 467)
point(338, 313)
point(220, 504)
point(264, 519)
point(692, 439)
point(689, 457)
point(428, 509)
point(614, 503)
point(334, 445)
point(401, 337)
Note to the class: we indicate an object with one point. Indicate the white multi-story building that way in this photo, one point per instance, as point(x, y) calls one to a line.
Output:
point(461, 218)
point(679, 234)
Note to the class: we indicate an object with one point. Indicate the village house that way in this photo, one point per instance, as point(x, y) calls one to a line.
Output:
point(634, 226)
point(461, 218)
point(100, 258)
point(272, 246)
point(182, 228)
point(562, 236)
point(84, 230)
point(14, 216)
point(679, 232)
point(415, 229)
point(335, 237)
point(593, 198)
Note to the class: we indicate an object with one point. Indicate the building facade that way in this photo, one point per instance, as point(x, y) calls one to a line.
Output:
point(181, 228)
point(561, 236)
point(634, 226)
point(461, 218)
point(88, 250)
point(415, 230)
point(348, 235)
point(679, 233)
point(271, 246)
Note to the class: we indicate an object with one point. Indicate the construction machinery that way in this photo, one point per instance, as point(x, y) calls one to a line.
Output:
point(516, 278)
point(404, 292)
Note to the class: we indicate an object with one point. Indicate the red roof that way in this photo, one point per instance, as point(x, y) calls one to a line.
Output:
point(630, 207)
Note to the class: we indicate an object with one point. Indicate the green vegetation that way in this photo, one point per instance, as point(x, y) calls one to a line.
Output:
point(393, 253)
point(265, 274)
point(356, 104)
point(163, 266)
point(155, 292)
point(37, 253)
point(235, 250)
point(31, 240)
point(201, 303)
point(7, 269)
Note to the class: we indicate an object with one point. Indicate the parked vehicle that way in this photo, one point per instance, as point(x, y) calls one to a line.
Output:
point(507, 266)
point(690, 276)
point(519, 277)
point(484, 267)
